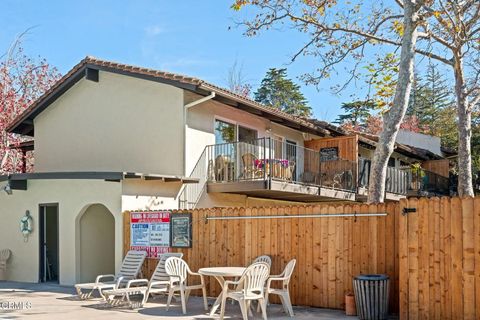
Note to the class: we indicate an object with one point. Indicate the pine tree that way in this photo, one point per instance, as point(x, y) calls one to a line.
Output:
point(279, 92)
point(431, 95)
point(356, 114)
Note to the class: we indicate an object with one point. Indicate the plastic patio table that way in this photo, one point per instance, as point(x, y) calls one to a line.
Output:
point(220, 273)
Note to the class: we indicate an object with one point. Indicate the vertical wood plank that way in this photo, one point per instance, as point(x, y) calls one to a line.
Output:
point(413, 262)
point(403, 263)
point(457, 252)
point(468, 259)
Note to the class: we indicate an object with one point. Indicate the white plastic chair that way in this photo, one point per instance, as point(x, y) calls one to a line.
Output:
point(159, 282)
point(4, 256)
point(282, 292)
point(131, 266)
point(265, 259)
point(178, 271)
point(250, 287)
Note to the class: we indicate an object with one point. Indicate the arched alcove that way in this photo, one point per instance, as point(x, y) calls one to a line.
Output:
point(96, 247)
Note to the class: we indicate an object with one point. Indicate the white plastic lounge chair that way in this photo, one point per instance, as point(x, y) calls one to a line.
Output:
point(282, 292)
point(158, 284)
point(131, 266)
point(178, 271)
point(4, 256)
point(250, 287)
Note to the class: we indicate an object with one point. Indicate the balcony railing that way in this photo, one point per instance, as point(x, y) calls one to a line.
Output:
point(404, 180)
point(428, 183)
point(396, 181)
point(272, 159)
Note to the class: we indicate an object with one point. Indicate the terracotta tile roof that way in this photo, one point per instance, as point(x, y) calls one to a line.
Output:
point(182, 79)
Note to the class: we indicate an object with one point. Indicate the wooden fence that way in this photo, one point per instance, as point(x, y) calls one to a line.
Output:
point(439, 248)
point(329, 251)
point(432, 255)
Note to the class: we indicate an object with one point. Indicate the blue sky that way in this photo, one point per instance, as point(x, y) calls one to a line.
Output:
point(189, 37)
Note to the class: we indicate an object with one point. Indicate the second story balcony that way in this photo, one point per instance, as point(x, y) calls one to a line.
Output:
point(405, 181)
point(276, 169)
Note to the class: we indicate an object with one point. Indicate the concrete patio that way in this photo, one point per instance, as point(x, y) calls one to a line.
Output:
point(49, 301)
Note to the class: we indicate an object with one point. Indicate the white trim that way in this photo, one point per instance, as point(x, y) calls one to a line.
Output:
point(236, 124)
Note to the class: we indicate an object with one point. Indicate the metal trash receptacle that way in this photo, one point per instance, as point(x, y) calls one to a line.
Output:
point(371, 295)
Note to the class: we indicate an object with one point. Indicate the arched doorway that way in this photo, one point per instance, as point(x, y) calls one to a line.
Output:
point(96, 228)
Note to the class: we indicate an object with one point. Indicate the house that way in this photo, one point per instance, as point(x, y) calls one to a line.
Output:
point(110, 137)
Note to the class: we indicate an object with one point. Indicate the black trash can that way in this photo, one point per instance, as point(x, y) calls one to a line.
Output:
point(371, 296)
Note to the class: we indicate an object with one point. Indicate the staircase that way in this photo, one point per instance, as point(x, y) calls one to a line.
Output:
point(191, 193)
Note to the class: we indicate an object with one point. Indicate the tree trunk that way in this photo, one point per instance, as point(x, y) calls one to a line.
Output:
point(394, 117)
point(464, 112)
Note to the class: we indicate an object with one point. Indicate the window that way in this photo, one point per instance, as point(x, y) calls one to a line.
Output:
point(246, 134)
point(224, 132)
point(391, 162)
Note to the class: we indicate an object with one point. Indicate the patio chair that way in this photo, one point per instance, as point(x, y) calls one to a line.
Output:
point(250, 170)
point(178, 271)
point(4, 256)
point(158, 283)
point(131, 265)
point(250, 287)
point(282, 292)
point(266, 259)
point(291, 170)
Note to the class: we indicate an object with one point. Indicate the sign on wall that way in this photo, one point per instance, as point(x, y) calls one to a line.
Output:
point(150, 232)
point(181, 230)
point(327, 154)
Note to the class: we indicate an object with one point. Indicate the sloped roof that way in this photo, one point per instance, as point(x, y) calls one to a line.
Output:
point(23, 124)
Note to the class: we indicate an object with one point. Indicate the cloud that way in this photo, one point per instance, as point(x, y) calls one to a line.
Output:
point(154, 30)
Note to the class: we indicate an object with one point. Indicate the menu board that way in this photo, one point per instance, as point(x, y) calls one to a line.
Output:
point(150, 232)
point(181, 230)
point(327, 154)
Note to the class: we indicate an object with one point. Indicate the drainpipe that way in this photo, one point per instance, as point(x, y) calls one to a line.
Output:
point(185, 110)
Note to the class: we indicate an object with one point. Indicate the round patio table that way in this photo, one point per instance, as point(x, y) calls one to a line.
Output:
point(220, 273)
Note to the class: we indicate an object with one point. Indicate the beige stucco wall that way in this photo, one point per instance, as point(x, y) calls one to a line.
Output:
point(97, 238)
point(201, 124)
point(120, 123)
point(149, 195)
point(74, 197)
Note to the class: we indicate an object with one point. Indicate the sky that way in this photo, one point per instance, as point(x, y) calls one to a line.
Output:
point(196, 38)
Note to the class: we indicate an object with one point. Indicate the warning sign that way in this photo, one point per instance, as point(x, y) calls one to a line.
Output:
point(150, 232)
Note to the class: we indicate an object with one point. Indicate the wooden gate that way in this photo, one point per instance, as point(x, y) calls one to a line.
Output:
point(439, 248)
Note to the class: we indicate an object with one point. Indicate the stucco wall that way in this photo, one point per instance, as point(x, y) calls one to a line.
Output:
point(97, 235)
point(120, 123)
point(73, 198)
point(201, 124)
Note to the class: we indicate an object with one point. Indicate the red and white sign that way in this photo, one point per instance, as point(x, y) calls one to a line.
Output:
point(150, 232)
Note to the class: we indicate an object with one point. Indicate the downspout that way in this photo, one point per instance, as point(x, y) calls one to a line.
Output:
point(185, 110)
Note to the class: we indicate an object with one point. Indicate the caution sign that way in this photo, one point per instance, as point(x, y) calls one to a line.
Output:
point(150, 232)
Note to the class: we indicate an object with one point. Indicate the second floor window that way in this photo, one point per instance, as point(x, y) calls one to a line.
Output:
point(224, 132)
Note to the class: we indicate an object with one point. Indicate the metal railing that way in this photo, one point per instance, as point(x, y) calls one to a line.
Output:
point(191, 193)
point(428, 183)
point(403, 180)
point(267, 158)
point(396, 180)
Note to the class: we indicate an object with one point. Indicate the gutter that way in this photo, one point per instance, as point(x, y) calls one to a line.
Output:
point(185, 110)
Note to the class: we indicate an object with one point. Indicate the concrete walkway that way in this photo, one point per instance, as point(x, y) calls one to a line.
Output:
point(45, 301)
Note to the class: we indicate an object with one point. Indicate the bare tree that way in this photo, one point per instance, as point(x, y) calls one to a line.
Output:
point(236, 80)
point(343, 32)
